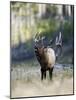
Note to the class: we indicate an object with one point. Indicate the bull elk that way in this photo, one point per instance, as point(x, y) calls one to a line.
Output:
point(46, 56)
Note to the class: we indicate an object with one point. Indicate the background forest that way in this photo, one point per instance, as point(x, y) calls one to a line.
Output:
point(27, 19)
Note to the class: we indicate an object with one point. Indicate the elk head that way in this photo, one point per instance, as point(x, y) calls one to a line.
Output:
point(39, 45)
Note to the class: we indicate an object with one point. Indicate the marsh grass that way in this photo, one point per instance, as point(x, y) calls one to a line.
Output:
point(25, 81)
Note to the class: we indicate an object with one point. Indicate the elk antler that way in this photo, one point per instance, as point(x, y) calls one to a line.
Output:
point(59, 39)
point(37, 38)
point(58, 43)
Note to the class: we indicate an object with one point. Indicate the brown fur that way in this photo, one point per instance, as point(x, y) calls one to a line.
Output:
point(41, 57)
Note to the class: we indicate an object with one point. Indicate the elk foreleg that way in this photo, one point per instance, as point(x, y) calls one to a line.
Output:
point(43, 74)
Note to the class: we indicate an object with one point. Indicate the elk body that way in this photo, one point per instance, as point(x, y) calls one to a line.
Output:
point(46, 56)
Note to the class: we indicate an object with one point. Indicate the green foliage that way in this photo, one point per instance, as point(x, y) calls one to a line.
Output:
point(52, 9)
point(34, 8)
point(47, 27)
point(29, 13)
point(68, 30)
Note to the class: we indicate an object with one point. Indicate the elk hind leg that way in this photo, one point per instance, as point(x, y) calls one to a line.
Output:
point(42, 73)
point(50, 73)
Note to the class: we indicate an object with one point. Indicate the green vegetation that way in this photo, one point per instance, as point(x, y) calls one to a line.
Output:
point(27, 19)
point(39, 18)
point(68, 30)
point(47, 27)
point(52, 9)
